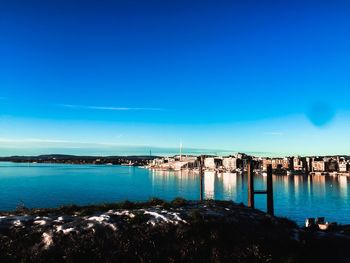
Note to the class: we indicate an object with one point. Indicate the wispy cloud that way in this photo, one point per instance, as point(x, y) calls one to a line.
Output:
point(84, 107)
point(24, 142)
point(32, 140)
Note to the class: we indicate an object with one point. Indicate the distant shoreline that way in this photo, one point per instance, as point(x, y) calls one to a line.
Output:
point(75, 159)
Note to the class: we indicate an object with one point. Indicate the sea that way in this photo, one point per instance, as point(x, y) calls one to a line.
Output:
point(55, 185)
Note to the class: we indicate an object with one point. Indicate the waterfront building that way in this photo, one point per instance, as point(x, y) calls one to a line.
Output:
point(320, 165)
point(343, 167)
point(277, 163)
point(333, 165)
point(212, 163)
point(232, 163)
point(309, 161)
point(177, 166)
point(242, 160)
point(241, 156)
point(299, 163)
point(157, 162)
point(229, 163)
point(265, 162)
point(287, 163)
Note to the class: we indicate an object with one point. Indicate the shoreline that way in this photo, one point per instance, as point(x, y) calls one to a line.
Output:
point(75, 159)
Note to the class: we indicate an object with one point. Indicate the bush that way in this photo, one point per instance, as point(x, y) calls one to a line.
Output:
point(127, 205)
point(156, 201)
point(178, 202)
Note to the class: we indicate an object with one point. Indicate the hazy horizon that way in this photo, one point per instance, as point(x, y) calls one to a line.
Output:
point(142, 150)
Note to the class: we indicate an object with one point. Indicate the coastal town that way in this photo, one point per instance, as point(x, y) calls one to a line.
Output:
point(235, 163)
point(293, 165)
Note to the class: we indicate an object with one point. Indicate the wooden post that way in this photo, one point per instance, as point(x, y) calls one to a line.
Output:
point(201, 176)
point(250, 184)
point(270, 207)
point(269, 188)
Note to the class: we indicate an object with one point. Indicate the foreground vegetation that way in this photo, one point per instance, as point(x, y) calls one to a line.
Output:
point(157, 231)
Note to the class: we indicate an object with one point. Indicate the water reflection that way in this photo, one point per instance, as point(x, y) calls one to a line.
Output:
point(343, 185)
point(209, 185)
point(296, 197)
point(229, 182)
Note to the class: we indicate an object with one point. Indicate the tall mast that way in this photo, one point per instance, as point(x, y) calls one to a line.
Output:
point(180, 151)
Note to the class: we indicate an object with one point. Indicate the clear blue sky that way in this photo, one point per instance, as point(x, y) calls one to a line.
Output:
point(85, 77)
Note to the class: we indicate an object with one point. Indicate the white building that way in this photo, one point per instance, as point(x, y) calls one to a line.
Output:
point(298, 163)
point(229, 163)
point(209, 163)
point(343, 167)
point(212, 163)
point(320, 166)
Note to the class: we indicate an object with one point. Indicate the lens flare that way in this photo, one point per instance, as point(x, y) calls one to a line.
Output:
point(320, 114)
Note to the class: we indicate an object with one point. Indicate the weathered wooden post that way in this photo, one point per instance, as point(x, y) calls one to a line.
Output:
point(270, 206)
point(269, 188)
point(250, 169)
point(201, 177)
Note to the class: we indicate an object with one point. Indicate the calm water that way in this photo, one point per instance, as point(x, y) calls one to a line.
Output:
point(47, 185)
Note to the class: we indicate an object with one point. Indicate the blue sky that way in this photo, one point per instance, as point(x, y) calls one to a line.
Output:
point(107, 77)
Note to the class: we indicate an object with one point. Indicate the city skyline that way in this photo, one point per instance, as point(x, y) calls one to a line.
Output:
point(88, 78)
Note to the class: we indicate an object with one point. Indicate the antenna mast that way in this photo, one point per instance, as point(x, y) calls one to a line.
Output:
point(180, 151)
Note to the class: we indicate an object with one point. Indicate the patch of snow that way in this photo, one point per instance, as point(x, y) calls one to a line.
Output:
point(178, 218)
point(100, 219)
point(64, 229)
point(58, 228)
point(121, 213)
point(157, 216)
point(68, 230)
point(17, 223)
point(152, 222)
point(42, 218)
point(47, 240)
point(90, 225)
point(40, 222)
point(164, 216)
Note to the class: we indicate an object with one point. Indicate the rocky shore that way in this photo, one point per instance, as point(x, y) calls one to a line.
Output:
point(157, 231)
